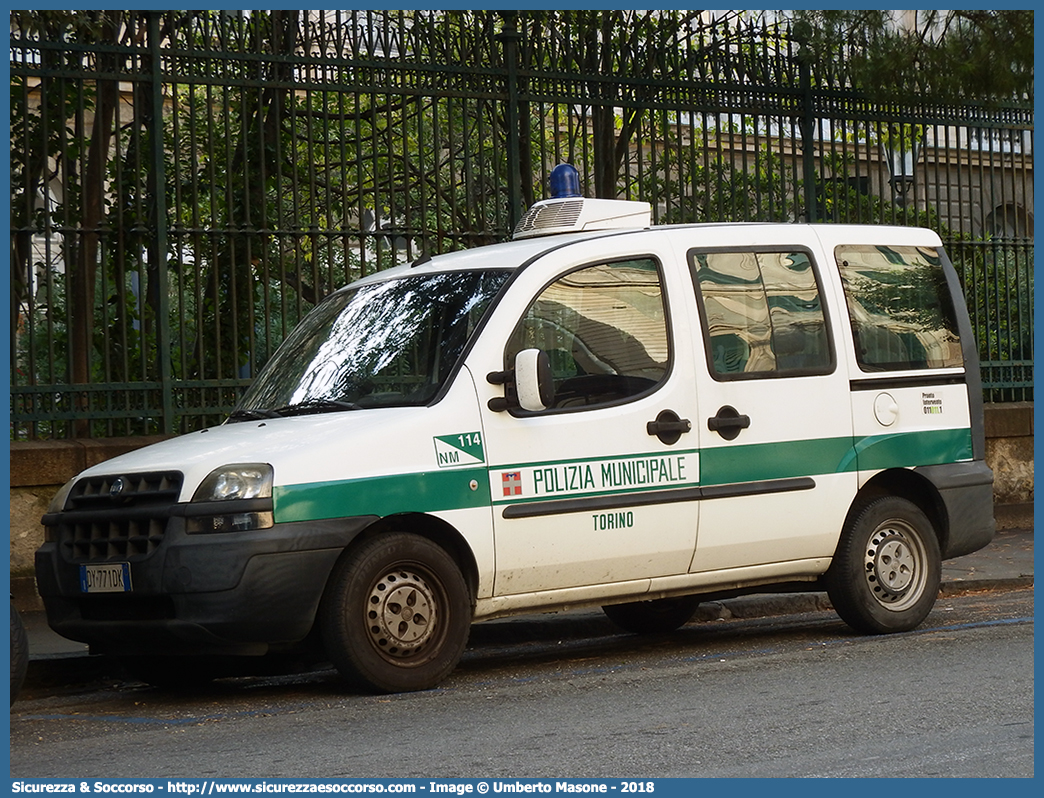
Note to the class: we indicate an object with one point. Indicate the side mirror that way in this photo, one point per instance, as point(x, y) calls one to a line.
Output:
point(534, 383)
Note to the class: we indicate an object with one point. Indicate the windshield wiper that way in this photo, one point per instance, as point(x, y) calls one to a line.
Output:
point(251, 415)
point(314, 406)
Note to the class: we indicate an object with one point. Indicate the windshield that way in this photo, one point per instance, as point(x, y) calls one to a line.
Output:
point(386, 344)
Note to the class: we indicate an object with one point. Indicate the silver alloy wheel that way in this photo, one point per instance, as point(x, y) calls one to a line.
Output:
point(895, 563)
point(402, 613)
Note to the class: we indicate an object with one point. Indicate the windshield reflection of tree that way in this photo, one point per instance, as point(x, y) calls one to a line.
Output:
point(390, 343)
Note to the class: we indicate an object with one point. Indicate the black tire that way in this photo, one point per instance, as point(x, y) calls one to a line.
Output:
point(653, 617)
point(396, 614)
point(885, 573)
point(19, 653)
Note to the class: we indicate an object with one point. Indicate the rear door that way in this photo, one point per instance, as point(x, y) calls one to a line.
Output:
point(910, 395)
point(775, 428)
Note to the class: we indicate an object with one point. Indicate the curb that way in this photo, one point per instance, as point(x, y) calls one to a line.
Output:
point(1013, 516)
point(956, 588)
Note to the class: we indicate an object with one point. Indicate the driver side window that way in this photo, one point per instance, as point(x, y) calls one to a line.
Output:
point(604, 330)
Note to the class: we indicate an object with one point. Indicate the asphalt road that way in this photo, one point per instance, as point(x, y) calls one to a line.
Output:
point(798, 695)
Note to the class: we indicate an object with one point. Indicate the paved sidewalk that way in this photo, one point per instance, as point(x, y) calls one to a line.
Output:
point(1006, 563)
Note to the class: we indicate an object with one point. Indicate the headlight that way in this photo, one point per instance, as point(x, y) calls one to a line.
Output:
point(233, 498)
point(244, 481)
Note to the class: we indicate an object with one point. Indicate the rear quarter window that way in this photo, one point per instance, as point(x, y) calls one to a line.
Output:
point(900, 308)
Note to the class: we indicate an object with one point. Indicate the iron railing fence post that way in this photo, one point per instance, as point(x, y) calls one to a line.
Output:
point(510, 38)
point(808, 147)
point(157, 183)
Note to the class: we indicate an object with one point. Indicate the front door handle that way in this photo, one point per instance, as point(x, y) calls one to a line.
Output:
point(668, 427)
point(728, 422)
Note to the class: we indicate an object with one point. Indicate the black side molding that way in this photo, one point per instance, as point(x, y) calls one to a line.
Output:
point(913, 381)
point(598, 503)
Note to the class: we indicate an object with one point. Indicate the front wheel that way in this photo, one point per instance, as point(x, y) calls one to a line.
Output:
point(396, 614)
point(886, 571)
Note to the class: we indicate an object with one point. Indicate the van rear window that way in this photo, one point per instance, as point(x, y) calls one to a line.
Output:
point(900, 308)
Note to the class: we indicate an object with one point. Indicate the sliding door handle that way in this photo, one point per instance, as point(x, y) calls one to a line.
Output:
point(728, 422)
point(668, 427)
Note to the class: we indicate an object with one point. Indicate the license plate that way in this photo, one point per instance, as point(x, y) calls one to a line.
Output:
point(109, 578)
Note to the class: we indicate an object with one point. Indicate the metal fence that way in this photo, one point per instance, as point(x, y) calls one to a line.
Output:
point(186, 185)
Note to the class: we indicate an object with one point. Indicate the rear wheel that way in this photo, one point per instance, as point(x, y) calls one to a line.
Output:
point(886, 571)
point(653, 617)
point(396, 614)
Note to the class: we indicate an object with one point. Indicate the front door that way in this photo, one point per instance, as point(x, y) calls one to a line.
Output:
point(587, 492)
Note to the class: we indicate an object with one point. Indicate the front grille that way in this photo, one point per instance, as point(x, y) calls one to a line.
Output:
point(117, 516)
point(121, 489)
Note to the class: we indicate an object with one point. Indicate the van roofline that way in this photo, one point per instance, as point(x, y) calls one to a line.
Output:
point(526, 250)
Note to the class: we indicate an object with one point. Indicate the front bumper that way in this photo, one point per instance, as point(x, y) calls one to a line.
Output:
point(226, 593)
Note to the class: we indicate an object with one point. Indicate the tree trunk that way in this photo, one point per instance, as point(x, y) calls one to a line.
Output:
point(85, 264)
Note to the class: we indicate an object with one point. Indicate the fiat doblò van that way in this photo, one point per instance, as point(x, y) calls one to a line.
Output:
point(599, 412)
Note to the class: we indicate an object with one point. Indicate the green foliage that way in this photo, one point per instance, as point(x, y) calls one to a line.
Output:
point(999, 286)
point(283, 177)
point(961, 53)
point(701, 186)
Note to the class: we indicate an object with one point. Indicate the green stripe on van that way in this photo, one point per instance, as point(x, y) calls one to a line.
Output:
point(443, 490)
point(905, 450)
point(724, 465)
point(424, 492)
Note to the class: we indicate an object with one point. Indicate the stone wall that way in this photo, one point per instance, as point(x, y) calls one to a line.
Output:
point(1009, 451)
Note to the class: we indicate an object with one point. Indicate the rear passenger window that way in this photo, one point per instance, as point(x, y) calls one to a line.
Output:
point(900, 308)
point(604, 329)
point(762, 315)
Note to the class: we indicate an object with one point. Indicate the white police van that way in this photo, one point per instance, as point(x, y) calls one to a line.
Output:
point(598, 413)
